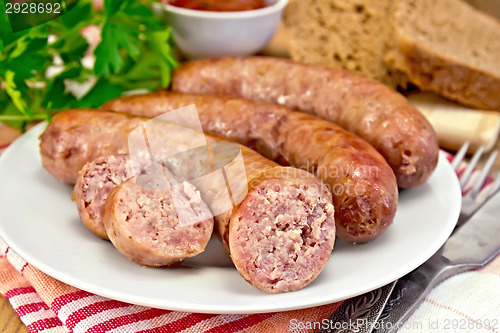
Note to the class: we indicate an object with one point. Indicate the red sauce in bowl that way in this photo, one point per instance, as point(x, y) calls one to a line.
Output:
point(219, 5)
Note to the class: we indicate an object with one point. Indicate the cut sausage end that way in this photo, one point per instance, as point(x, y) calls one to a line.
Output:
point(144, 225)
point(282, 236)
point(95, 181)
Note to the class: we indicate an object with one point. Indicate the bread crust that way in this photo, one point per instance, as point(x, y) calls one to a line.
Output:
point(432, 72)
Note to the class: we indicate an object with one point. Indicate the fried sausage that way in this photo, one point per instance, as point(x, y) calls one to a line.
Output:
point(296, 226)
point(361, 105)
point(141, 220)
point(364, 186)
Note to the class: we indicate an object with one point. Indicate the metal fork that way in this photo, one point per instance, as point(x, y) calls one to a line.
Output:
point(470, 202)
point(372, 305)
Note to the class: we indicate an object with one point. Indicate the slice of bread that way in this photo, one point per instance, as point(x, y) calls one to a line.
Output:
point(445, 46)
point(448, 47)
point(340, 33)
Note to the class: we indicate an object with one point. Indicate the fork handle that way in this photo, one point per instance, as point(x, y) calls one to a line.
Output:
point(411, 290)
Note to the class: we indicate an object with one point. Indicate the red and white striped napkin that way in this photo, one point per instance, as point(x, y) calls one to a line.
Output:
point(45, 304)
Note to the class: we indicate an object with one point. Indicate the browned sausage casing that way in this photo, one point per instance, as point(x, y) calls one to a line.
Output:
point(67, 144)
point(364, 187)
point(361, 105)
point(280, 236)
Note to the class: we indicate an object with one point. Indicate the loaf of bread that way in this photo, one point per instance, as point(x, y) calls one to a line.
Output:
point(445, 46)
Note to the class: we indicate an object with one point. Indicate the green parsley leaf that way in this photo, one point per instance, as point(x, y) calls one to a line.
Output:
point(15, 95)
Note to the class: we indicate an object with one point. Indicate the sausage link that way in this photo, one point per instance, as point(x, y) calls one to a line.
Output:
point(359, 104)
point(365, 190)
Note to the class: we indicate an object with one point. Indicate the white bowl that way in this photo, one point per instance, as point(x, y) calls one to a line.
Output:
point(205, 34)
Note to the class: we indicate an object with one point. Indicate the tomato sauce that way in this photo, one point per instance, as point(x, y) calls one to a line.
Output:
point(219, 5)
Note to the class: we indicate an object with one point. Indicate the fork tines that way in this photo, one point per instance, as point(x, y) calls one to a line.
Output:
point(473, 183)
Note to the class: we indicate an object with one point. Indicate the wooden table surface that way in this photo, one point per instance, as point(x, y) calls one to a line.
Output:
point(10, 322)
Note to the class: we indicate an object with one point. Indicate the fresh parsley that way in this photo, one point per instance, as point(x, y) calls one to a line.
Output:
point(136, 52)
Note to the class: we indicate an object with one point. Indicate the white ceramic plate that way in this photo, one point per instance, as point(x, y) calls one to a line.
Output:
point(40, 222)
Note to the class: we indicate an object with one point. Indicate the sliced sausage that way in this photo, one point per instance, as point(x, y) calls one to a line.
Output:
point(143, 223)
point(306, 205)
point(361, 105)
point(364, 186)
